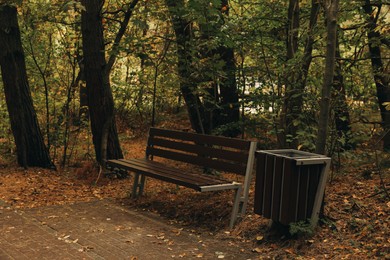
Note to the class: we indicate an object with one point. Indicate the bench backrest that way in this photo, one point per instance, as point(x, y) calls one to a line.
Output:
point(216, 152)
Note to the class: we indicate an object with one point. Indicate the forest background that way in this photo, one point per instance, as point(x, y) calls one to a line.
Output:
point(311, 75)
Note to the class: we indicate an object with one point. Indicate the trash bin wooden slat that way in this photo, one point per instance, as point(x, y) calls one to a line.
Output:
point(277, 188)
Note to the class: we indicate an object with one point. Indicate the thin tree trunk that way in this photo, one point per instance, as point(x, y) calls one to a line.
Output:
point(119, 35)
point(381, 77)
point(341, 112)
point(43, 72)
point(66, 109)
point(307, 53)
point(100, 100)
point(292, 103)
point(188, 85)
point(220, 106)
point(30, 146)
point(229, 115)
point(296, 82)
point(229, 112)
point(331, 10)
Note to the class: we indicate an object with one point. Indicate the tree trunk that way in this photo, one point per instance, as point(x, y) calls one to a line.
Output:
point(100, 100)
point(331, 10)
point(381, 77)
point(341, 112)
point(220, 106)
point(287, 139)
point(228, 114)
point(188, 84)
point(30, 147)
point(296, 81)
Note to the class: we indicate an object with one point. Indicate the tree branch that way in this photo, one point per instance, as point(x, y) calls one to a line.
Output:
point(120, 34)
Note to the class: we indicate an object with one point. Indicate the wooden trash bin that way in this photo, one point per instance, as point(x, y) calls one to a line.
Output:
point(290, 185)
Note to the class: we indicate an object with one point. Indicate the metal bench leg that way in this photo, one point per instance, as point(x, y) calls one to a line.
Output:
point(236, 206)
point(141, 185)
point(138, 186)
point(135, 186)
point(244, 205)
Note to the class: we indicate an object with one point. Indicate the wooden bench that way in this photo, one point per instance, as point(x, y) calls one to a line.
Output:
point(209, 152)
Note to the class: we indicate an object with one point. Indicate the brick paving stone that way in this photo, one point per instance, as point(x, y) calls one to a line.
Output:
point(102, 229)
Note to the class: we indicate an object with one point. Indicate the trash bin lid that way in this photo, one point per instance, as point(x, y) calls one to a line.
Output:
point(300, 157)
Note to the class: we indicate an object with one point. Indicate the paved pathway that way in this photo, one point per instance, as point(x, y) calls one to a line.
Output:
point(103, 230)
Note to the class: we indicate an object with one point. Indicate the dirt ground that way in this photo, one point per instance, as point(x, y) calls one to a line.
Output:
point(357, 223)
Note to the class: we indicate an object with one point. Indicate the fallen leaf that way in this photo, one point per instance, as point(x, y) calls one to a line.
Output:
point(290, 251)
point(259, 238)
point(257, 250)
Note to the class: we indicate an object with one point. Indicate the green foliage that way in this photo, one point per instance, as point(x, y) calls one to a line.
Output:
point(7, 150)
point(301, 228)
point(11, 2)
point(147, 58)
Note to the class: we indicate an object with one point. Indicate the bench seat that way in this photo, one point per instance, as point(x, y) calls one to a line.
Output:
point(201, 152)
point(157, 170)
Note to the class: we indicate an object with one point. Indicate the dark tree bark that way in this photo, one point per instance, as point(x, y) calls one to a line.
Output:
point(341, 111)
point(188, 84)
point(226, 112)
point(381, 77)
point(100, 100)
point(30, 147)
point(220, 107)
point(229, 115)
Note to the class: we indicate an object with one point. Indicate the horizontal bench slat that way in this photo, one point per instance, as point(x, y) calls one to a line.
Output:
point(150, 173)
point(199, 179)
point(221, 154)
point(197, 160)
point(166, 174)
point(201, 139)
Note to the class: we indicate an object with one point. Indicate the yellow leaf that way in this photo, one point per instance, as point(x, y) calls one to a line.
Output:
point(259, 238)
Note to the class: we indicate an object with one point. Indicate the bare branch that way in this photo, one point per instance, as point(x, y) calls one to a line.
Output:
point(120, 34)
